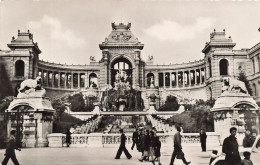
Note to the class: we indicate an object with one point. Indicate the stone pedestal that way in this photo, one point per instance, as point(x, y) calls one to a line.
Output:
point(35, 120)
point(229, 111)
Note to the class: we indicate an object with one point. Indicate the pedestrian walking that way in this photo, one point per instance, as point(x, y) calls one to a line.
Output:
point(203, 138)
point(122, 147)
point(146, 146)
point(178, 148)
point(135, 138)
point(68, 137)
point(157, 150)
point(152, 145)
point(230, 148)
point(10, 149)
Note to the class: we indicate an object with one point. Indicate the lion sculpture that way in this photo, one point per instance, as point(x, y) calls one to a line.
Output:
point(232, 84)
point(30, 85)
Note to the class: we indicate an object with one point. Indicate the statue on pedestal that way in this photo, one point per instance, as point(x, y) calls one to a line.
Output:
point(232, 85)
point(31, 88)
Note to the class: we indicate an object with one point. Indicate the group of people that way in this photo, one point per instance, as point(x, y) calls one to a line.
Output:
point(230, 148)
point(148, 143)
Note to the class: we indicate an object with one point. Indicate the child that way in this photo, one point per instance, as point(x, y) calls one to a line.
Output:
point(247, 160)
point(213, 156)
point(157, 149)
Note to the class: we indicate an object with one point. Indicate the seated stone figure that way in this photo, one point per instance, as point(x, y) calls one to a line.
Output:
point(232, 84)
point(29, 87)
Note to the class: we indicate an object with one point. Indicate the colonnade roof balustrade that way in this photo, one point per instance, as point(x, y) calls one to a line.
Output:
point(188, 65)
point(254, 48)
point(48, 65)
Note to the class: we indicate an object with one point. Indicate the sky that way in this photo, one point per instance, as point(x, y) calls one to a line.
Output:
point(70, 31)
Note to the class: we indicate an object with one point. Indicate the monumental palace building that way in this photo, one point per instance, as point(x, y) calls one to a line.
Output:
point(122, 56)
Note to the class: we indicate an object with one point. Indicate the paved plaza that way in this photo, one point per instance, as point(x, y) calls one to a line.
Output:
point(99, 156)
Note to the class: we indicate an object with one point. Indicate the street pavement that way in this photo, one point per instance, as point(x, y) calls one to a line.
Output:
point(100, 156)
point(105, 156)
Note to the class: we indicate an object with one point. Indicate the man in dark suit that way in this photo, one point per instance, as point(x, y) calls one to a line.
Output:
point(10, 153)
point(203, 138)
point(122, 147)
point(135, 138)
point(230, 148)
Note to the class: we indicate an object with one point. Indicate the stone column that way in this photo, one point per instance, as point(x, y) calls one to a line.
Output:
point(183, 83)
point(189, 79)
point(170, 79)
point(65, 80)
point(52, 79)
point(71, 77)
point(177, 79)
point(195, 76)
point(42, 76)
point(200, 77)
point(59, 79)
point(164, 80)
point(86, 80)
point(47, 78)
point(78, 80)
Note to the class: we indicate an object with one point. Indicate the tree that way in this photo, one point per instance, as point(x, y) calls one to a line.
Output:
point(5, 84)
point(59, 105)
point(171, 104)
point(199, 117)
point(242, 77)
point(77, 102)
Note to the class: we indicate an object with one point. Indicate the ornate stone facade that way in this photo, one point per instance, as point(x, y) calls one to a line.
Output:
point(121, 50)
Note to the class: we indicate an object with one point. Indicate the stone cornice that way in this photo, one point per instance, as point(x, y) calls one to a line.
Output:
point(218, 45)
point(120, 46)
point(13, 53)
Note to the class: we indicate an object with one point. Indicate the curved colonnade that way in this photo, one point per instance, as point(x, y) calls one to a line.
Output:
point(74, 77)
point(184, 75)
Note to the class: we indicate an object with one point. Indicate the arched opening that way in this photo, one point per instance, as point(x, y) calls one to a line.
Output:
point(209, 67)
point(93, 81)
point(210, 93)
point(19, 68)
point(223, 67)
point(254, 90)
point(150, 79)
point(121, 71)
point(167, 79)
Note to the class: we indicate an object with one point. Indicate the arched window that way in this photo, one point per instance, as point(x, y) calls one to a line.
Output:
point(254, 90)
point(210, 93)
point(121, 71)
point(253, 62)
point(223, 67)
point(93, 80)
point(19, 68)
point(150, 79)
point(209, 68)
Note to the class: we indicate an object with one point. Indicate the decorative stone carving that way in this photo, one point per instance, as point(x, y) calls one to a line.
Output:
point(150, 58)
point(92, 58)
point(31, 88)
point(121, 37)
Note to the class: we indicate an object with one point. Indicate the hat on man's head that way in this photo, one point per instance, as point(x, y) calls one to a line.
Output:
point(121, 130)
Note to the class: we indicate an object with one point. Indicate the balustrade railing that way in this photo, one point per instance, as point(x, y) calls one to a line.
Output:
point(104, 140)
